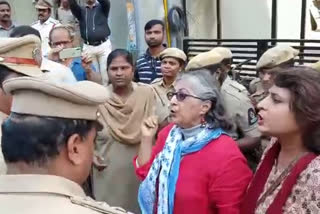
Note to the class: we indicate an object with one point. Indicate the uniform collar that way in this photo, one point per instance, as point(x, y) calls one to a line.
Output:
point(259, 93)
point(39, 184)
point(13, 25)
point(227, 80)
point(46, 22)
point(162, 83)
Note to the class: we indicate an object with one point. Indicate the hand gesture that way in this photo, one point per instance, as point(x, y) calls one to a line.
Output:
point(149, 126)
point(54, 53)
point(86, 61)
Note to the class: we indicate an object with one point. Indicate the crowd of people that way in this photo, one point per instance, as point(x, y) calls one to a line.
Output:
point(162, 134)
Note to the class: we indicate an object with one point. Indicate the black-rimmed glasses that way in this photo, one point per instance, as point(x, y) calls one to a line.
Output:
point(180, 96)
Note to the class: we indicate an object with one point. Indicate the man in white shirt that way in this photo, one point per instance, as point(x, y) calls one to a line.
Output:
point(44, 24)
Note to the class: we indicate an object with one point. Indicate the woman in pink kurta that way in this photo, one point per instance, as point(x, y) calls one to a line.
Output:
point(194, 166)
point(288, 177)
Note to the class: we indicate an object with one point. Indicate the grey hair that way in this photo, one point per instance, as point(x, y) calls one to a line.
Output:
point(205, 86)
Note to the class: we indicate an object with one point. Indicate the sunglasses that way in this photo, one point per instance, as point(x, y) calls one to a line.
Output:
point(180, 96)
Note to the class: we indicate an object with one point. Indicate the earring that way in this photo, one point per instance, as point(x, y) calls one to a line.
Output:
point(203, 123)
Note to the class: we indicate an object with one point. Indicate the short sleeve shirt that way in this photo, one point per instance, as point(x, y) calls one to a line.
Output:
point(44, 30)
point(240, 109)
point(162, 100)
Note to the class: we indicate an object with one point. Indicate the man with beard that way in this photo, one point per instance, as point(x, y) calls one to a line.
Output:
point(148, 66)
point(6, 24)
point(95, 32)
point(44, 24)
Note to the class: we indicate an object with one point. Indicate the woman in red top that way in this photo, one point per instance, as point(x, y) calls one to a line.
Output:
point(194, 166)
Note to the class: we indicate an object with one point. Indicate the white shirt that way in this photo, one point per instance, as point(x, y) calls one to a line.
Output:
point(44, 30)
point(57, 72)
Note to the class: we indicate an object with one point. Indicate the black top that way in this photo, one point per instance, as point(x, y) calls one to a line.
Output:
point(93, 22)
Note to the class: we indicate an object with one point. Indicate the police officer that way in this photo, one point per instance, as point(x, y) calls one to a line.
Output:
point(16, 59)
point(172, 62)
point(238, 105)
point(45, 23)
point(281, 56)
point(48, 143)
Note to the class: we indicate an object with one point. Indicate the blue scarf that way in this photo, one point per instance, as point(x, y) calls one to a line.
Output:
point(166, 167)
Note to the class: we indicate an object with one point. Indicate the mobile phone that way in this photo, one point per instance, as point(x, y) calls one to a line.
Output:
point(70, 53)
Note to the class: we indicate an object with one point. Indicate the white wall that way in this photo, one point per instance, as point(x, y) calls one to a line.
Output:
point(246, 19)
point(202, 18)
point(118, 23)
point(289, 19)
point(23, 12)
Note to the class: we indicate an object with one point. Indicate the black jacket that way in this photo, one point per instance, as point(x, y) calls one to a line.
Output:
point(93, 22)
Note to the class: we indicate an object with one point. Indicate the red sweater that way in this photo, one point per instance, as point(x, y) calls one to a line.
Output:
point(212, 180)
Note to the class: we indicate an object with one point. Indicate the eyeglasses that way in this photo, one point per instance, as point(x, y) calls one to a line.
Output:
point(55, 44)
point(180, 96)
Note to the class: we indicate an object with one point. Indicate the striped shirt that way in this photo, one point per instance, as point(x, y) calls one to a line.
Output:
point(148, 68)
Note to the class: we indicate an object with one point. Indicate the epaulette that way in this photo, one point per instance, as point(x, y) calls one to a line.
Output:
point(144, 84)
point(156, 80)
point(101, 207)
point(255, 81)
point(36, 22)
point(54, 21)
point(237, 86)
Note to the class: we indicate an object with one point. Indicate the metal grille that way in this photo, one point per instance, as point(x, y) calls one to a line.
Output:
point(246, 52)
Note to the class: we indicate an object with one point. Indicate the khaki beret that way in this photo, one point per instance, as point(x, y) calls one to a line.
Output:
point(224, 52)
point(173, 52)
point(276, 55)
point(42, 97)
point(43, 4)
point(204, 59)
point(19, 54)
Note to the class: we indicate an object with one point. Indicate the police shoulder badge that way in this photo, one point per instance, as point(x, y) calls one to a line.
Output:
point(252, 117)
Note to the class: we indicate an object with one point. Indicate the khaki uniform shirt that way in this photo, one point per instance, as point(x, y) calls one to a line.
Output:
point(44, 30)
point(32, 194)
point(255, 85)
point(258, 97)
point(257, 92)
point(240, 109)
point(3, 168)
point(162, 101)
